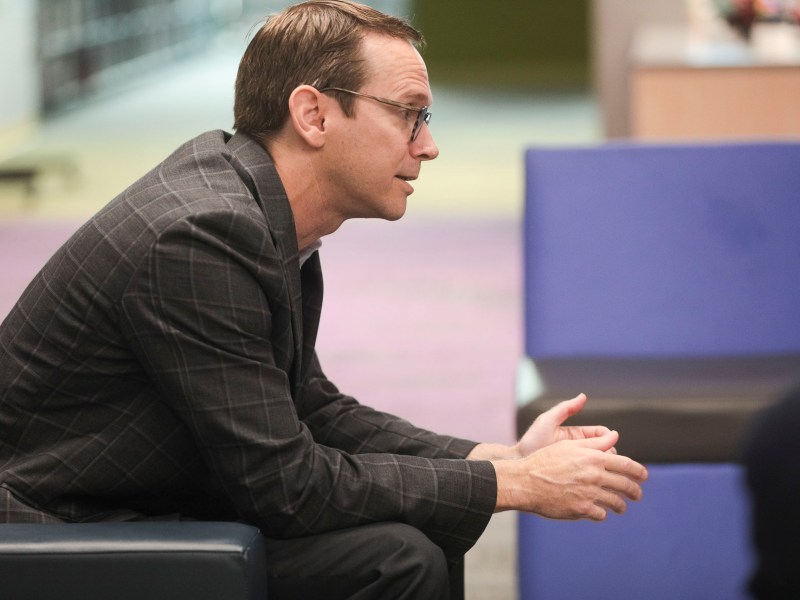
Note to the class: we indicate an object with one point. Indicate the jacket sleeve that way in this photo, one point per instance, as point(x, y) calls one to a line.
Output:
point(202, 312)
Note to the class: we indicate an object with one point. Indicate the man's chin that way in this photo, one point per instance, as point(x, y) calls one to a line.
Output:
point(397, 211)
point(388, 210)
point(392, 211)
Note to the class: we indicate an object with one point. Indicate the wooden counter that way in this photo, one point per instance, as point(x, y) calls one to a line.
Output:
point(681, 89)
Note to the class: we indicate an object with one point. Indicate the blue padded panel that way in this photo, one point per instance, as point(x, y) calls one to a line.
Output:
point(689, 540)
point(639, 250)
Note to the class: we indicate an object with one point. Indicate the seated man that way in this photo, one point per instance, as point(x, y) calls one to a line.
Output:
point(162, 364)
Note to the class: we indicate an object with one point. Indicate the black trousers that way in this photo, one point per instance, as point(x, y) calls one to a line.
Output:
point(383, 561)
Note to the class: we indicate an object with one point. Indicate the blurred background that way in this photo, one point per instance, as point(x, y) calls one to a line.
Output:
point(143, 75)
point(85, 83)
point(94, 93)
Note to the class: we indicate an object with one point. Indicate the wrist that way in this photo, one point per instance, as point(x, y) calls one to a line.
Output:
point(506, 476)
point(515, 451)
point(493, 452)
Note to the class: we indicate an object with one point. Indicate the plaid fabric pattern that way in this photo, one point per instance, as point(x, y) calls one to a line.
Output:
point(163, 362)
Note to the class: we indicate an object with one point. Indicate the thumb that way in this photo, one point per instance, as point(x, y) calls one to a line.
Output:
point(567, 408)
point(604, 443)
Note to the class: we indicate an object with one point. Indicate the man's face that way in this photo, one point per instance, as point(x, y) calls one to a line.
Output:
point(373, 157)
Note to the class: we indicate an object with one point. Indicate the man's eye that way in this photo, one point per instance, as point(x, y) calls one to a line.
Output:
point(406, 114)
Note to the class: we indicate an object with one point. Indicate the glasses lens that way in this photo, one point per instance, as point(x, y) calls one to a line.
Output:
point(422, 117)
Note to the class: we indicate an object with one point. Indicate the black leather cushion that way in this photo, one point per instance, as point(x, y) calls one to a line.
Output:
point(666, 409)
point(132, 561)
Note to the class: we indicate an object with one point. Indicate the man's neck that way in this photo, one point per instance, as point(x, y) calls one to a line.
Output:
point(312, 215)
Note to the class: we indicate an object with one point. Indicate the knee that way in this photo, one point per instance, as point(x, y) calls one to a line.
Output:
point(414, 559)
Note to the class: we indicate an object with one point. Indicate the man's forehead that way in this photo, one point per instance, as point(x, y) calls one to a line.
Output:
point(397, 67)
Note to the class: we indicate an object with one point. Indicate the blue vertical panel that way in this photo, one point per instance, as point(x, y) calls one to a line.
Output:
point(688, 539)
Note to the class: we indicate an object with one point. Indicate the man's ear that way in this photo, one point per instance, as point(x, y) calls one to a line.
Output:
point(307, 115)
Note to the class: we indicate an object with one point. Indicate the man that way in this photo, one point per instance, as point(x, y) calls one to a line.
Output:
point(162, 364)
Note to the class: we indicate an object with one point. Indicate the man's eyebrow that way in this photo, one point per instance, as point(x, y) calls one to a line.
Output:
point(415, 99)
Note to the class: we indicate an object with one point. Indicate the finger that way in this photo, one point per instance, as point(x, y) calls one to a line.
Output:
point(599, 513)
point(574, 406)
point(616, 463)
point(608, 500)
point(566, 409)
point(622, 486)
point(603, 443)
point(586, 431)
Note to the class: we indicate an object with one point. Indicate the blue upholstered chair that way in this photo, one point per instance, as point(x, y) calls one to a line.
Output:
point(663, 281)
point(132, 561)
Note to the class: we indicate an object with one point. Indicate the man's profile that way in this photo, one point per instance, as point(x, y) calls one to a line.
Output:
point(162, 364)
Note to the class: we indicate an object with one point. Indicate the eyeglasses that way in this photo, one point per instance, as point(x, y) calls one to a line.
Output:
point(423, 114)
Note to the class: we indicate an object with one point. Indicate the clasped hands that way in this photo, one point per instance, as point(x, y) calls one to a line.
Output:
point(564, 472)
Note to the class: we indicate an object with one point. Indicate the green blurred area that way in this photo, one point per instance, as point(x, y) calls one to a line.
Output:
point(515, 44)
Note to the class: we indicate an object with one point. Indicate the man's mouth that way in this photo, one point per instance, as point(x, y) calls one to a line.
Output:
point(406, 179)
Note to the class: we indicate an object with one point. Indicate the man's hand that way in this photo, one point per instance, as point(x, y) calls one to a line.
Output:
point(548, 428)
point(570, 479)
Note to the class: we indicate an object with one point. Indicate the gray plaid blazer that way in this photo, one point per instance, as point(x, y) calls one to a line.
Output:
point(162, 365)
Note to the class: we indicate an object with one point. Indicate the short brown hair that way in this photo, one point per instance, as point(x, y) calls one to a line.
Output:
point(316, 43)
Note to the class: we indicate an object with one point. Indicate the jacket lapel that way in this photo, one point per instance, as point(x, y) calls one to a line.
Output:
point(311, 278)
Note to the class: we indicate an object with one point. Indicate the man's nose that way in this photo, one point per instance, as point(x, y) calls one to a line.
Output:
point(424, 148)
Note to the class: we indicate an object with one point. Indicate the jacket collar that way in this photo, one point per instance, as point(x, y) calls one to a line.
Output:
point(261, 177)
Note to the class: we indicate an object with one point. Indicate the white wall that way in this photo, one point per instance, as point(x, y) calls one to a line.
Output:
point(614, 23)
point(19, 83)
